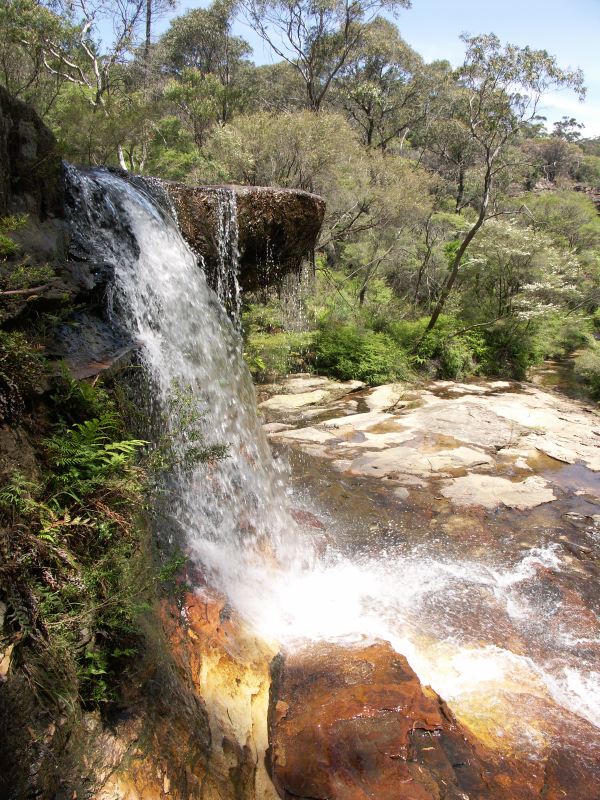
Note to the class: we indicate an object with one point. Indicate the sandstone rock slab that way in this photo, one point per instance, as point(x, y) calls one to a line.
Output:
point(277, 228)
point(490, 491)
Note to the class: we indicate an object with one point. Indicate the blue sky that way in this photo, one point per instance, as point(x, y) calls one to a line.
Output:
point(570, 31)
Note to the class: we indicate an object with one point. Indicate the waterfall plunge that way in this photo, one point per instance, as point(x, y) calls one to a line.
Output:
point(226, 282)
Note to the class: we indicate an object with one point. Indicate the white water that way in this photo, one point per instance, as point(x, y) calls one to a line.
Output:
point(226, 281)
point(234, 513)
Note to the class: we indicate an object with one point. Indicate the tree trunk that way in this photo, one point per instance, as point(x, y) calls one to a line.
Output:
point(148, 28)
point(121, 154)
point(451, 279)
point(460, 189)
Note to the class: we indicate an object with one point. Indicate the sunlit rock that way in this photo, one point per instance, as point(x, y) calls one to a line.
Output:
point(491, 491)
point(349, 723)
point(301, 392)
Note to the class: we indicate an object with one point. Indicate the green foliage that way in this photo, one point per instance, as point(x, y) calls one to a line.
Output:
point(73, 577)
point(262, 317)
point(74, 400)
point(8, 225)
point(587, 368)
point(512, 347)
point(344, 352)
point(570, 217)
point(87, 456)
point(181, 444)
point(268, 355)
point(444, 352)
point(22, 371)
point(589, 171)
point(559, 335)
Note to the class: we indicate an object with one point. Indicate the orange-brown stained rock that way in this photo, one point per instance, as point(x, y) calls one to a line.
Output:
point(351, 723)
point(229, 667)
point(355, 723)
point(277, 228)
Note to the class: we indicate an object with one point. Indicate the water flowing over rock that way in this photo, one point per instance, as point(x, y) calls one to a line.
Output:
point(351, 722)
point(277, 228)
point(188, 346)
point(508, 637)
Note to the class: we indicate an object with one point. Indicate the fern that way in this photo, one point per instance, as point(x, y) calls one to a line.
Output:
point(18, 496)
point(86, 453)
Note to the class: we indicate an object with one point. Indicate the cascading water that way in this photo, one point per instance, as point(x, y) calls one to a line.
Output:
point(226, 281)
point(234, 513)
point(233, 508)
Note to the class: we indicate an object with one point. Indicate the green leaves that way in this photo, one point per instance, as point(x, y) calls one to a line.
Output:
point(85, 454)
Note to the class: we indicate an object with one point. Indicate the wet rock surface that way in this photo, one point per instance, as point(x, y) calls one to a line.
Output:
point(478, 442)
point(223, 668)
point(277, 228)
point(478, 550)
point(354, 722)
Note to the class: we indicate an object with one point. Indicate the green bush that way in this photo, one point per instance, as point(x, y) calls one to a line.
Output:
point(22, 373)
point(558, 335)
point(262, 318)
point(512, 346)
point(587, 368)
point(281, 353)
point(443, 352)
point(8, 225)
point(344, 352)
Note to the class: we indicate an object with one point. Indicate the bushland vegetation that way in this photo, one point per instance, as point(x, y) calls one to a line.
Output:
point(462, 233)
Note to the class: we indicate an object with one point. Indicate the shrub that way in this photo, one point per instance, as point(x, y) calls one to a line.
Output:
point(21, 373)
point(587, 368)
point(512, 346)
point(277, 353)
point(349, 354)
point(262, 318)
point(443, 352)
point(8, 225)
point(558, 335)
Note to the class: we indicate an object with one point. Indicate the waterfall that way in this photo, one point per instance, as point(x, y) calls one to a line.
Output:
point(226, 281)
point(234, 512)
point(232, 509)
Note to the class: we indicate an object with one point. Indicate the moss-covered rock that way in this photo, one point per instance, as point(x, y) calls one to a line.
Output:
point(277, 228)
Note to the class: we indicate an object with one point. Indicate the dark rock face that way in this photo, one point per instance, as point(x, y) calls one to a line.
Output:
point(277, 228)
point(30, 167)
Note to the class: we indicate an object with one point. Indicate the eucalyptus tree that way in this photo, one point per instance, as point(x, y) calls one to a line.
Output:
point(502, 88)
point(25, 28)
point(383, 88)
point(103, 33)
point(201, 42)
point(568, 128)
point(317, 37)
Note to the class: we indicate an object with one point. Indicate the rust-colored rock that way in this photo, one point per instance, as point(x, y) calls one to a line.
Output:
point(351, 723)
point(355, 723)
point(277, 228)
point(229, 667)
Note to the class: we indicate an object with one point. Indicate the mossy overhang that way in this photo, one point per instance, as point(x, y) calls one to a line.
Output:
point(278, 228)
